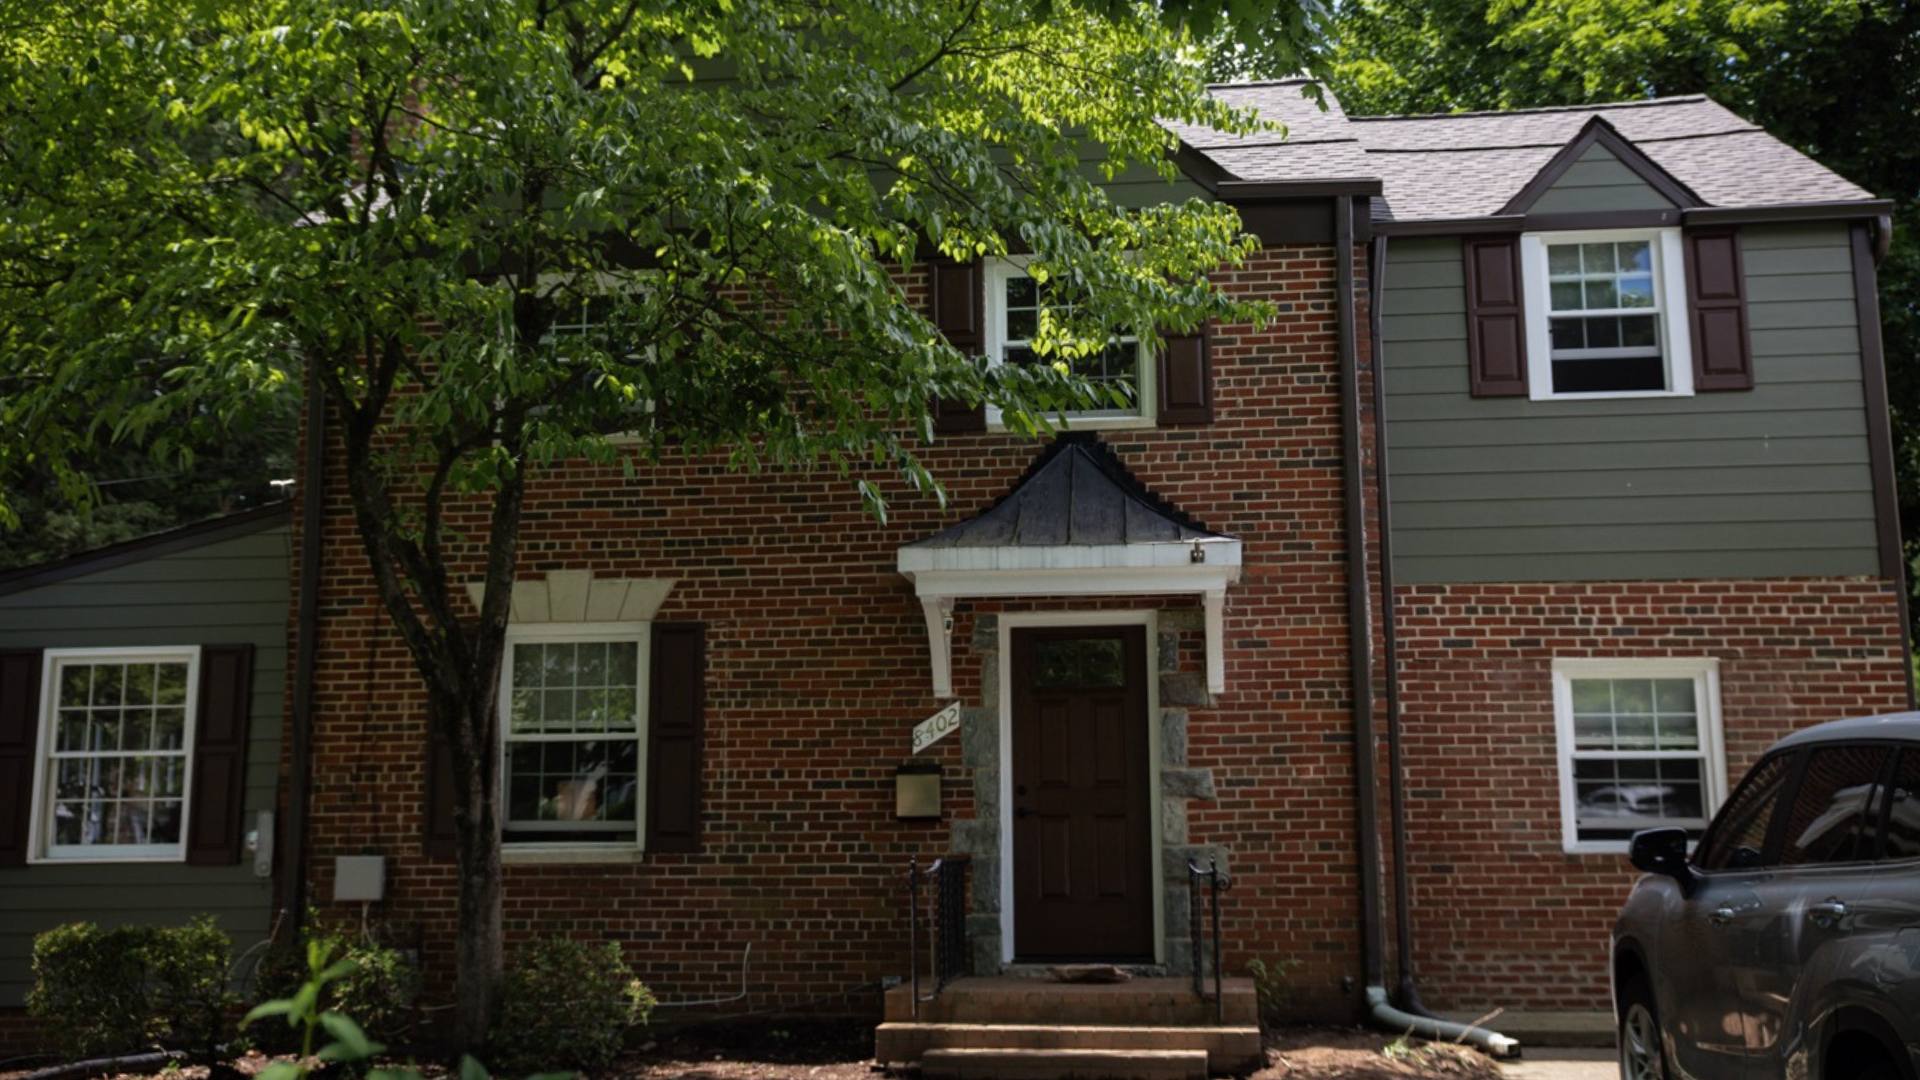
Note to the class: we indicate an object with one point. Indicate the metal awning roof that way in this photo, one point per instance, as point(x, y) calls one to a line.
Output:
point(1077, 524)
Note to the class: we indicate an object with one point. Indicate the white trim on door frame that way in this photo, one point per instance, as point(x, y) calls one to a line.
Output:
point(1023, 619)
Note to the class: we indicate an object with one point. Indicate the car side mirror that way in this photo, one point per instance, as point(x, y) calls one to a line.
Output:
point(1661, 851)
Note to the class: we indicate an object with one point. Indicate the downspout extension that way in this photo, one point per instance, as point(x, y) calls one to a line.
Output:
point(1385, 1016)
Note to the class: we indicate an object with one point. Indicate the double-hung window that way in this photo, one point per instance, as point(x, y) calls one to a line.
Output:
point(1015, 302)
point(116, 749)
point(1639, 748)
point(573, 735)
point(1606, 314)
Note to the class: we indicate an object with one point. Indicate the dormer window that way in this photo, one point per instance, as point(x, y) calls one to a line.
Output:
point(1606, 314)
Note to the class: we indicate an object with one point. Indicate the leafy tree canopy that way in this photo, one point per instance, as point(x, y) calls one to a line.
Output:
point(500, 233)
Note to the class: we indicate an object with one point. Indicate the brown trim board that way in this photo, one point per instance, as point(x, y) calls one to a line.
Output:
point(1598, 132)
point(1873, 375)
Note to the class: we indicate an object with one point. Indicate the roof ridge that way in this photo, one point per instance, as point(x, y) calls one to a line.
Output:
point(1236, 84)
point(1640, 103)
point(1280, 142)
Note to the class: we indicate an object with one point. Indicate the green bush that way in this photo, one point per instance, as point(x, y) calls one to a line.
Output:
point(110, 991)
point(378, 990)
point(566, 1004)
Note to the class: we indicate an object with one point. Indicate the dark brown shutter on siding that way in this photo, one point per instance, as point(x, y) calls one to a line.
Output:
point(1186, 380)
point(19, 732)
point(960, 312)
point(1496, 320)
point(438, 839)
point(675, 722)
point(1717, 311)
point(220, 755)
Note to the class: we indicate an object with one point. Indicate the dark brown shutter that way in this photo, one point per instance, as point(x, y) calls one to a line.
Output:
point(1496, 320)
point(960, 311)
point(19, 733)
point(676, 703)
point(438, 839)
point(220, 755)
point(1186, 380)
point(1717, 311)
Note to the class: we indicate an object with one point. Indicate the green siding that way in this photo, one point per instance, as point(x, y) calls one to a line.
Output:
point(230, 590)
point(1772, 482)
point(1598, 181)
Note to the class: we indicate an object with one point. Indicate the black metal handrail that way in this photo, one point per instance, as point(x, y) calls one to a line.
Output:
point(946, 915)
point(1217, 883)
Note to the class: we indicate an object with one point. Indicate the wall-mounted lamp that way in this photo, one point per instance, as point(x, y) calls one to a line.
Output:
point(916, 791)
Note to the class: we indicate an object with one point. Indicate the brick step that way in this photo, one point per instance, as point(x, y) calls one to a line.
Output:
point(1227, 1049)
point(1007, 1000)
point(1005, 1064)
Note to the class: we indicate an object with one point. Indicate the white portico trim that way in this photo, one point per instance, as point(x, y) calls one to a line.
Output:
point(1077, 524)
point(942, 575)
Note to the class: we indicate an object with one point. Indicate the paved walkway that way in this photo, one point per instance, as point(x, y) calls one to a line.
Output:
point(1563, 1063)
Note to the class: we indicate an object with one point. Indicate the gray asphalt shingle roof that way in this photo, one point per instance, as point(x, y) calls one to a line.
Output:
point(1465, 165)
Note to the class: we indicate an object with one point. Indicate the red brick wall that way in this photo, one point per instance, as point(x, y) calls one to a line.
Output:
point(817, 667)
point(1502, 916)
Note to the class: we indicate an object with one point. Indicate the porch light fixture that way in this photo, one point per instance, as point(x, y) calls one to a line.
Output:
point(916, 791)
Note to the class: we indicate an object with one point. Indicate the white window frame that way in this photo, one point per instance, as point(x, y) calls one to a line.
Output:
point(42, 849)
point(639, 633)
point(1704, 671)
point(1145, 410)
point(603, 280)
point(1670, 286)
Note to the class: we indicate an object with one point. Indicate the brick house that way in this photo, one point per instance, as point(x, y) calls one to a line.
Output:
point(1560, 487)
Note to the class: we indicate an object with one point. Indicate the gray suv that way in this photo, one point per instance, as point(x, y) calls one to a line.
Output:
point(1787, 945)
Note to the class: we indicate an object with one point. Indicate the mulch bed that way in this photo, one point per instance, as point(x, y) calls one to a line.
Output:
point(843, 1050)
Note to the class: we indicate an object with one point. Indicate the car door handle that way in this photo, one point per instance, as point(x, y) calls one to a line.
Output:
point(1721, 915)
point(1827, 912)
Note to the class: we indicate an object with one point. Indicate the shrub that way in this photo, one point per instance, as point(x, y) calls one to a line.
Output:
point(566, 1004)
point(187, 972)
point(378, 991)
point(109, 991)
point(1271, 990)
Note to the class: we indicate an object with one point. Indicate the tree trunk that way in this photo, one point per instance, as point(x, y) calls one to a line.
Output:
point(479, 950)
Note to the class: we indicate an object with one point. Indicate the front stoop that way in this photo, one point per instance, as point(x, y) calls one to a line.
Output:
point(978, 1064)
point(1018, 1028)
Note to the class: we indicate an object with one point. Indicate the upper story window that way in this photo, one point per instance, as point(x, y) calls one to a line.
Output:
point(116, 740)
point(1639, 748)
point(1606, 314)
point(1014, 303)
point(573, 710)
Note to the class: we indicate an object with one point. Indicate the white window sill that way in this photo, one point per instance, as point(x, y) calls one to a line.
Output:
point(541, 855)
point(61, 859)
point(1609, 395)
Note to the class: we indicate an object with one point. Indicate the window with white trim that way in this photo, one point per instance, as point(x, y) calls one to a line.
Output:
point(573, 730)
point(1639, 748)
point(1606, 314)
point(1015, 301)
point(116, 750)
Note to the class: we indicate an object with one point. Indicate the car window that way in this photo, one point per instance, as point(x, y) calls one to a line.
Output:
point(1738, 837)
point(1903, 808)
point(1835, 816)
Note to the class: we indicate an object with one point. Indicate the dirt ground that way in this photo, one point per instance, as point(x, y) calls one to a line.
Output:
point(842, 1050)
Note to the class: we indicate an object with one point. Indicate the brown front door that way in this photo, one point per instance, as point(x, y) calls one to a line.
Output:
point(1082, 839)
